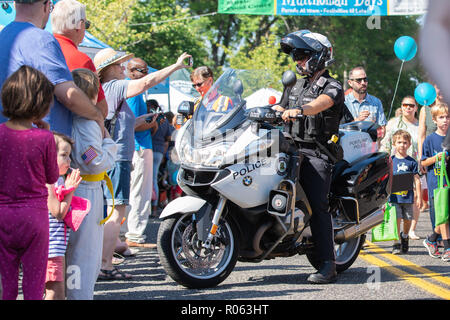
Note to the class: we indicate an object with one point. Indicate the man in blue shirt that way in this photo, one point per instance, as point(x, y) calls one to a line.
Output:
point(363, 106)
point(24, 42)
point(141, 176)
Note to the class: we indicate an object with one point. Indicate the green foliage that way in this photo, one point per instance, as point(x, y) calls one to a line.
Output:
point(152, 30)
point(264, 57)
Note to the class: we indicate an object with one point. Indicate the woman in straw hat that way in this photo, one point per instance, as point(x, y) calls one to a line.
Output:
point(111, 72)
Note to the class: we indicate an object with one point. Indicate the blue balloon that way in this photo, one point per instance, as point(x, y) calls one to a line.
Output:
point(405, 48)
point(425, 94)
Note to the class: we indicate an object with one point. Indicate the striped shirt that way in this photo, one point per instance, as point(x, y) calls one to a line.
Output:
point(58, 233)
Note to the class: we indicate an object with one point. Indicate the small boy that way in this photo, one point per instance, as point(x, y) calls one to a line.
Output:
point(432, 147)
point(404, 200)
point(94, 152)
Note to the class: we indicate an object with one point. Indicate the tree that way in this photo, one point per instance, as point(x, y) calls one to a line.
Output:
point(152, 30)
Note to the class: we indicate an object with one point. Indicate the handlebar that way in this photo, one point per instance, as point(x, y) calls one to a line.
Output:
point(267, 114)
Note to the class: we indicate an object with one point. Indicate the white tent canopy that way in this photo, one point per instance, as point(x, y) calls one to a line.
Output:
point(180, 89)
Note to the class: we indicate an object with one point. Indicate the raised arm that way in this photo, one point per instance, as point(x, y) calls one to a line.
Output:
point(138, 86)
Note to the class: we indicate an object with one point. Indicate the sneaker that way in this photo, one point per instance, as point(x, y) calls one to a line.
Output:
point(446, 255)
point(412, 235)
point(432, 248)
point(404, 243)
point(396, 249)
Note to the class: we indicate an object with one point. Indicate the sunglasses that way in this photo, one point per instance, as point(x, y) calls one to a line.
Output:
point(51, 4)
point(298, 55)
point(198, 85)
point(87, 24)
point(141, 70)
point(408, 105)
point(359, 80)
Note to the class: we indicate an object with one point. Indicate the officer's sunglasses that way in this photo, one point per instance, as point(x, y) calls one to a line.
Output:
point(298, 55)
point(359, 80)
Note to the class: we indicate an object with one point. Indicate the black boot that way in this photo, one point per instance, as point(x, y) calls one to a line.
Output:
point(326, 274)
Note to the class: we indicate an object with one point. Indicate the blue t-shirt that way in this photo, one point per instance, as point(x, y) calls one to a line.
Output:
point(159, 137)
point(370, 103)
point(401, 166)
point(22, 43)
point(142, 139)
point(431, 147)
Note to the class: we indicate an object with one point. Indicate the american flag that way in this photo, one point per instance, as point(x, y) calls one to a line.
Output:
point(89, 155)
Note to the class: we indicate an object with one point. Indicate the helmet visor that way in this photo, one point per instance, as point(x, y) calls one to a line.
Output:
point(300, 54)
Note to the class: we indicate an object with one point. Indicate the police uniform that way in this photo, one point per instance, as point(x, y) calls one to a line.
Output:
point(314, 135)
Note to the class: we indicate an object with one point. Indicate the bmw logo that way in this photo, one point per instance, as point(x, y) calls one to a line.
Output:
point(247, 181)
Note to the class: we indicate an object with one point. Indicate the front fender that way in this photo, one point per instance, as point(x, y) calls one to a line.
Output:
point(182, 205)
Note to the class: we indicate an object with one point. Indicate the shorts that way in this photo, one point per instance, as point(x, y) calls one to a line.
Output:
point(404, 210)
point(120, 177)
point(55, 269)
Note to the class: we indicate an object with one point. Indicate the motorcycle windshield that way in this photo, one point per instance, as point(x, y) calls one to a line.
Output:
point(224, 106)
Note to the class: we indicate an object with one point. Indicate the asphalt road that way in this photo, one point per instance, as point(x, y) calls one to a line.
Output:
point(376, 275)
point(266, 289)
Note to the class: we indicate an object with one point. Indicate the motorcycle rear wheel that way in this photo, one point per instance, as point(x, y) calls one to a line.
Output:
point(346, 254)
point(187, 262)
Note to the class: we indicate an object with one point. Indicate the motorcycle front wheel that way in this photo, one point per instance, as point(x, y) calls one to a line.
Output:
point(185, 259)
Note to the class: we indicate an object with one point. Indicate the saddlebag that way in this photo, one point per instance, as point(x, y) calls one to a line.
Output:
point(363, 185)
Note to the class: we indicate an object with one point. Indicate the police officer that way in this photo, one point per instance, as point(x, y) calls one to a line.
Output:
point(320, 99)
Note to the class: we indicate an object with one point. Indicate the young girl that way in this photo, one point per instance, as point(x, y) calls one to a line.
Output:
point(59, 233)
point(93, 153)
point(27, 164)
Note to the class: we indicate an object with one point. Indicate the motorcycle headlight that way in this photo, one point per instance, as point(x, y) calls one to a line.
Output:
point(210, 156)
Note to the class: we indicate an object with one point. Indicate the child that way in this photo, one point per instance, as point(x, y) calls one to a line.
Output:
point(93, 153)
point(27, 164)
point(432, 146)
point(404, 200)
point(54, 286)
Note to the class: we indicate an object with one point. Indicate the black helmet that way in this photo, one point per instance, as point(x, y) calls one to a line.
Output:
point(304, 43)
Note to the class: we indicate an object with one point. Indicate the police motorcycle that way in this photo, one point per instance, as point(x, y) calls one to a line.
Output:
point(243, 200)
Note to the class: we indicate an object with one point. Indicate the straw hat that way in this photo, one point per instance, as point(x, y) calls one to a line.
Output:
point(109, 56)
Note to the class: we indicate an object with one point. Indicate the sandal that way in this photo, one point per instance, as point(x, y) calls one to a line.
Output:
point(117, 258)
point(114, 274)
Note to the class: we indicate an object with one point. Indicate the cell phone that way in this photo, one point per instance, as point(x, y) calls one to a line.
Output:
point(160, 118)
point(191, 61)
point(150, 118)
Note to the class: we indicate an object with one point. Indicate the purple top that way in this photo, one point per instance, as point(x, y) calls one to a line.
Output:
point(27, 163)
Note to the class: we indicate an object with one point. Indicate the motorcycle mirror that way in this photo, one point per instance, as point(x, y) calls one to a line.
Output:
point(186, 108)
point(238, 88)
point(289, 78)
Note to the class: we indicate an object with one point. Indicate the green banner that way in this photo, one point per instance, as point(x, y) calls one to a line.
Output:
point(324, 7)
point(265, 7)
